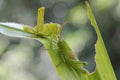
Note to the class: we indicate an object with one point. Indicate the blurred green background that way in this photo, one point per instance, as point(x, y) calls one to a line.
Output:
point(23, 59)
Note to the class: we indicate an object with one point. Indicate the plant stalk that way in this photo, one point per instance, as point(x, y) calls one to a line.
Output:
point(61, 56)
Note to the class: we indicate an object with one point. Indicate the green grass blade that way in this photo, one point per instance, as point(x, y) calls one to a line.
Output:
point(104, 70)
point(13, 30)
point(66, 70)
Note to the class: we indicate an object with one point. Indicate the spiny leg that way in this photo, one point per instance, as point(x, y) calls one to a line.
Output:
point(62, 61)
point(79, 63)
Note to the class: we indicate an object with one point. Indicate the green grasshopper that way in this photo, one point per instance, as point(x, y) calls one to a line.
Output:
point(67, 55)
point(49, 29)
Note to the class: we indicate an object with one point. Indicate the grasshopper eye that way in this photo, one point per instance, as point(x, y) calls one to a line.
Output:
point(51, 22)
point(58, 25)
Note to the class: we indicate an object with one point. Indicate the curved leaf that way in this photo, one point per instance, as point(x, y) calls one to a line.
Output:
point(13, 30)
point(104, 70)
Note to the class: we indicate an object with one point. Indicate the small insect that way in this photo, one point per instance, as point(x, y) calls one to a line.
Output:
point(49, 29)
point(67, 54)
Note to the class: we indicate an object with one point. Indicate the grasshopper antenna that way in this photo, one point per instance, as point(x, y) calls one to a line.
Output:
point(64, 23)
